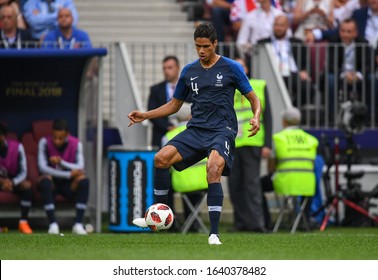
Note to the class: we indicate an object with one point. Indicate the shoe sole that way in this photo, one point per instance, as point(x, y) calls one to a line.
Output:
point(215, 242)
point(25, 232)
point(140, 222)
point(79, 233)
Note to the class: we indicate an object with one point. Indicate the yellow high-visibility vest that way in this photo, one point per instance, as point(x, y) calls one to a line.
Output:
point(244, 114)
point(295, 157)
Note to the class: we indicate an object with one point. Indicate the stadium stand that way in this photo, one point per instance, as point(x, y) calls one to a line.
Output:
point(150, 29)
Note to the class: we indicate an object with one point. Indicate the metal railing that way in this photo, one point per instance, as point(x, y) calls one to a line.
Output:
point(319, 99)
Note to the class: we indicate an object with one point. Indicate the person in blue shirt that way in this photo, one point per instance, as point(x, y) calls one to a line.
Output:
point(211, 80)
point(66, 36)
point(42, 15)
point(12, 37)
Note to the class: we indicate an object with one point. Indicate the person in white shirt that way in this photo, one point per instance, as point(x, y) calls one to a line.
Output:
point(343, 9)
point(240, 8)
point(290, 54)
point(312, 14)
point(256, 25)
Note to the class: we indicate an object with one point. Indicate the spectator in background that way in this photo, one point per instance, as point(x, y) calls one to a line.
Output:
point(312, 14)
point(349, 58)
point(61, 164)
point(256, 25)
point(343, 9)
point(42, 15)
point(220, 17)
point(21, 24)
point(13, 172)
point(11, 36)
point(288, 6)
point(244, 180)
point(239, 9)
point(65, 36)
point(291, 61)
point(367, 19)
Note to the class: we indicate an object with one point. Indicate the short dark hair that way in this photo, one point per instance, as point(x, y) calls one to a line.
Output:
point(171, 57)
point(206, 30)
point(3, 129)
point(350, 20)
point(60, 124)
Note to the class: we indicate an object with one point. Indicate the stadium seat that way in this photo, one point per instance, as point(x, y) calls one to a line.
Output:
point(296, 205)
point(30, 145)
point(12, 136)
point(41, 129)
point(293, 205)
point(185, 183)
point(8, 198)
point(195, 212)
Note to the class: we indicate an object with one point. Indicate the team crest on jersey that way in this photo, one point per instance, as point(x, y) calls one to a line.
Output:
point(219, 80)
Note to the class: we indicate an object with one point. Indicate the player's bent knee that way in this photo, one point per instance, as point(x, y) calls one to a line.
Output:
point(83, 181)
point(25, 185)
point(44, 177)
point(80, 178)
point(45, 183)
point(214, 174)
point(161, 161)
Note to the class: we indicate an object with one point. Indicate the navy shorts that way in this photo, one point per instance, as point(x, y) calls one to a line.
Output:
point(194, 144)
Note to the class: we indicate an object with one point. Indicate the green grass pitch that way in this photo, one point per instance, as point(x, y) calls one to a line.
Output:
point(334, 244)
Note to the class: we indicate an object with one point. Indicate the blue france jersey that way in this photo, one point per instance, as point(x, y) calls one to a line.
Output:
point(212, 93)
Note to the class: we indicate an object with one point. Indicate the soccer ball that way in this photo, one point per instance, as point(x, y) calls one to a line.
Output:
point(159, 216)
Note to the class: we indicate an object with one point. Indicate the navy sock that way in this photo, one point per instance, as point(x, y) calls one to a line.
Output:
point(26, 198)
point(79, 215)
point(162, 184)
point(45, 187)
point(214, 205)
point(81, 200)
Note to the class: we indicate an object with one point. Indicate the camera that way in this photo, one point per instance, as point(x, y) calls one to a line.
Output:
point(352, 116)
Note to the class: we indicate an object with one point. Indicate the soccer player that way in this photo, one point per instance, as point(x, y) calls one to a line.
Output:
point(61, 164)
point(13, 173)
point(211, 80)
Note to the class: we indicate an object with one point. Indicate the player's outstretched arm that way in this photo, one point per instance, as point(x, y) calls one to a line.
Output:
point(165, 110)
point(136, 117)
point(256, 109)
